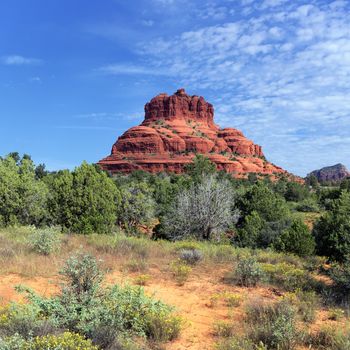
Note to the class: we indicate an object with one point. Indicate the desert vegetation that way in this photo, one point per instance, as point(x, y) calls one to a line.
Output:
point(100, 262)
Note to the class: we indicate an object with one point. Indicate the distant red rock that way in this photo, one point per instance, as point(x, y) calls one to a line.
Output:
point(174, 130)
point(334, 173)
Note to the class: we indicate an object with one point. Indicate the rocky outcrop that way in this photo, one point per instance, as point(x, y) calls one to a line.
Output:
point(174, 130)
point(334, 173)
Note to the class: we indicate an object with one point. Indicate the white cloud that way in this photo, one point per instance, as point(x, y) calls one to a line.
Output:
point(104, 116)
point(130, 69)
point(17, 60)
point(35, 80)
point(283, 75)
point(148, 22)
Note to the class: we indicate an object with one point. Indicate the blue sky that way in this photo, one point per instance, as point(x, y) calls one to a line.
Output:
point(75, 74)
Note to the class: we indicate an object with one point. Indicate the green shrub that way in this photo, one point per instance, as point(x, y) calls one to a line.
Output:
point(45, 241)
point(332, 230)
point(296, 239)
point(181, 271)
point(85, 200)
point(142, 280)
point(65, 341)
point(15, 342)
point(335, 314)
point(238, 344)
point(163, 327)
point(130, 309)
point(233, 299)
point(331, 338)
point(273, 325)
point(287, 276)
point(296, 192)
point(137, 205)
point(136, 265)
point(223, 329)
point(306, 303)
point(308, 206)
point(191, 256)
point(247, 273)
point(24, 320)
point(23, 198)
point(84, 307)
point(340, 275)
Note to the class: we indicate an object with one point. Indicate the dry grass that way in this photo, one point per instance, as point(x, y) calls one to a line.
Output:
point(128, 258)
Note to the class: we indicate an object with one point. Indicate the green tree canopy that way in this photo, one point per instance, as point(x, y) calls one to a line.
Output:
point(85, 200)
point(137, 205)
point(332, 230)
point(23, 199)
point(296, 239)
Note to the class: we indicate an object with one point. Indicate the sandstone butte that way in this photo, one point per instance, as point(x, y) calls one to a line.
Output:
point(174, 130)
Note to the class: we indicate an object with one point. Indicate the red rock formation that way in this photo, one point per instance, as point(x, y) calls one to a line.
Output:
point(174, 130)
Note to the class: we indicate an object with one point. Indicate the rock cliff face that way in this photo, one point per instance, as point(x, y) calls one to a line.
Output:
point(174, 130)
point(332, 173)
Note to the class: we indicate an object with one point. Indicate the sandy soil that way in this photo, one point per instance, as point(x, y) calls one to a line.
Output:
point(192, 300)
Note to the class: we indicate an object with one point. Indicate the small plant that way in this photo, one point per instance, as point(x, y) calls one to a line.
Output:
point(142, 280)
point(163, 328)
point(214, 299)
point(273, 325)
point(331, 338)
point(238, 344)
point(306, 303)
point(136, 265)
point(233, 299)
point(45, 241)
point(223, 329)
point(180, 271)
point(247, 273)
point(191, 256)
point(287, 276)
point(66, 341)
point(336, 314)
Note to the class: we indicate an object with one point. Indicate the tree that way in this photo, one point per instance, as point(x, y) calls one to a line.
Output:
point(202, 212)
point(345, 184)
point(10, 200)
point(265, 216)
point(60, 198)
point(296, 192)
point(83, 201)
point(312, 181)
point(248, 236)
point(200, 167)
point(33, 194)
point(95, 200)
point(296, 239)
point(137, 205)
point(260, 198)
point(15, 156)
point(332, 230)
point(40, 171)
point(23, 199)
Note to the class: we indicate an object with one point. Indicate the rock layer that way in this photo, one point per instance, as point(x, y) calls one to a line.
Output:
point(174, 130)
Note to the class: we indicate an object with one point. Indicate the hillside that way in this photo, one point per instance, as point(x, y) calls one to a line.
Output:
point(332, 173)
point(174, 130)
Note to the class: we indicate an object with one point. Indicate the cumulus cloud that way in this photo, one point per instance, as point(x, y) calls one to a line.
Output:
point(282, 71)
